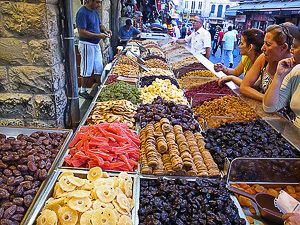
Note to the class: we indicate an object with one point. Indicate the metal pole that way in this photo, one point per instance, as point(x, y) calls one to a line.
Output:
point(72, 112)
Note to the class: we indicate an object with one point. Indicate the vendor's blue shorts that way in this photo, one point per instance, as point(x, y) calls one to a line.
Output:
point(91, 59)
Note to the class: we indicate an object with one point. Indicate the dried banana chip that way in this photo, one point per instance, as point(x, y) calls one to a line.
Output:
point(47, 217)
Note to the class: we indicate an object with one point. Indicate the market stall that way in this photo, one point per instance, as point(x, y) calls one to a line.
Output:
point(155, 147)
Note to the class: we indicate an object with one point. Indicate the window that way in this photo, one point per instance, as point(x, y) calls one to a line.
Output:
point(220, 9)
point(200, 5)
point(186, 6)
point(193, 5)
point(227, 6)
point(213, 8)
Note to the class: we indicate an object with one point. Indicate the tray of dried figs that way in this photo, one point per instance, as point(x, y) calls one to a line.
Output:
point(88, 197)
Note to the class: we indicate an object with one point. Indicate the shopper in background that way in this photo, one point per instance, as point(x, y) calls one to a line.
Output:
point(277, 45)
point(183, 31)
point(127, 32)
point(229, 40)
point(91, 31)
point(250, 48)
point(285, 87)
point(176, 30)
point(215, 41)
point(219, 42)
point(199, 40)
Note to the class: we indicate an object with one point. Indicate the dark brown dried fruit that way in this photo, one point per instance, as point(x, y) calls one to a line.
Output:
point(3, 193)
point(27, 200)
point(8, 213)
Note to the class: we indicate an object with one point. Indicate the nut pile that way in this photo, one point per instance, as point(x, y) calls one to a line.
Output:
point(200, 73)
point(231, 107)
point(213, 88)
point(126, 60)
point(178, 114)
point(110, 111)
point(167, 149)
point(126, 70)
point(176, 52)
point(232, 140)
point(156, 63)
point(99, 199)
point(187, 202)
point(185, 62)
point(146, 81)
point(154, 57)
point(24, 164)
point(153, 51)
point(189, 68)
point(118, 91)
point(164, 89)
point(157, 72)
point(192, 82)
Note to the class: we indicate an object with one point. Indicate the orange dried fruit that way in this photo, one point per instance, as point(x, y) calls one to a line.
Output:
point(290, 189)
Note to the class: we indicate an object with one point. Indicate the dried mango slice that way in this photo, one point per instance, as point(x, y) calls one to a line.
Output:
point(106, 193)
point(104, 217)
point(65, 184)
point(94, 173)
point(76, 181)
point(80, 204)
point(67, 216)
point(86, 218)
point(47, 217)
point(125, 220)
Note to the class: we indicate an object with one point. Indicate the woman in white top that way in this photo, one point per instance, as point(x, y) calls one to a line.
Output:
point(285, 87)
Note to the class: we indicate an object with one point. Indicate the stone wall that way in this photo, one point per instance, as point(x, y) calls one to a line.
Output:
point(32, 76)
point(105, 18)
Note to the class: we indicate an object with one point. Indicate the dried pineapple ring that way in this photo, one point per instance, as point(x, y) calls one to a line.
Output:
point(94, 174)
point(67, 216)
point(128, 189)
point(106, 193)
point(47, 217)
point(80, 204)
point(123, 202)
point(104, 217)
point(57, 191)
point(105, 175)
point(76, 181)
point(116, 181)
point(94, 194)
point(86, 218)
point(67, 173)
point(131, 202)
point(54, 204)
point(79, 193)
point(125, 220)
point(119, 209)
point(124, 176)
point(87, 186)
point(104, 182)
point(65, 184)
point(101, 205)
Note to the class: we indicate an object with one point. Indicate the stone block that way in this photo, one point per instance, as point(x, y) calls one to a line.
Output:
point(18, 106)
point(3, 79)
point(52, 20)
point(12, 122)
point(59, 79)
point(41, 123)
point(45, 107)
point(45, 52)
point(31, 79)
point(14, 52)
point(60, 102)
point(25, 19)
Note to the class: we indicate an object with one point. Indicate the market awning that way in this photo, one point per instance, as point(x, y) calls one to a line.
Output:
point(265, 6)
point(230, 12)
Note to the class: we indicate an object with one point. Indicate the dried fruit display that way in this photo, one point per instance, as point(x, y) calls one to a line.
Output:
point(126, 70)
point(199, 73)
point(211, 87)
point(232, 140)
point(126, 60)
point(164, 89)
point(113, 111)
point(178, 114)
point(224, 109)
point(167, 149)
point(157, 72)
point(153, 51)
point(99, 199)
point(118, 91)
point(24, 165)
point(193, 82)
point(187, 61)
point(111, 79)
point(187, 202)
point(176, 52)
point(111, 146)
point(146, 81)
point(189, 68)
point(156, 63)
point(155, 57)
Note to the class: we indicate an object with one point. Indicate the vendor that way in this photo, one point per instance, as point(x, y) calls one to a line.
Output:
point(128, 32)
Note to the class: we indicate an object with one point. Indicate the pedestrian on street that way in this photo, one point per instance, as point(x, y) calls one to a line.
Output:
point(219, 41)
point(91, 31)
point(183, 31)
point(229, 41)
point(127, 32)
point(199, 40)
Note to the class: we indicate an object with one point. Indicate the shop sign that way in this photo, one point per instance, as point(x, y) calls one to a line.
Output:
point(240, 18)
point(259, 17)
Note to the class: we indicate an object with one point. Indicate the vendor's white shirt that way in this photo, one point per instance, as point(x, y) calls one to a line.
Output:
point(199, 41)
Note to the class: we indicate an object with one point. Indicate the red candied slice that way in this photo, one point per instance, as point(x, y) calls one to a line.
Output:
point(93, 163)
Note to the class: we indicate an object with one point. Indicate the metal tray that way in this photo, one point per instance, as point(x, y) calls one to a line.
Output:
point(48, 191)
point(240, 210)
point(14, 132)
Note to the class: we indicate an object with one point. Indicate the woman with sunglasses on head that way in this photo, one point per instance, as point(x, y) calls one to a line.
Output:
point(285, 87)
point(277, 45)
point(250, 49)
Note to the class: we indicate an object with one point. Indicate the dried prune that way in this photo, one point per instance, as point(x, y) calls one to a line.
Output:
point(9, 212)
